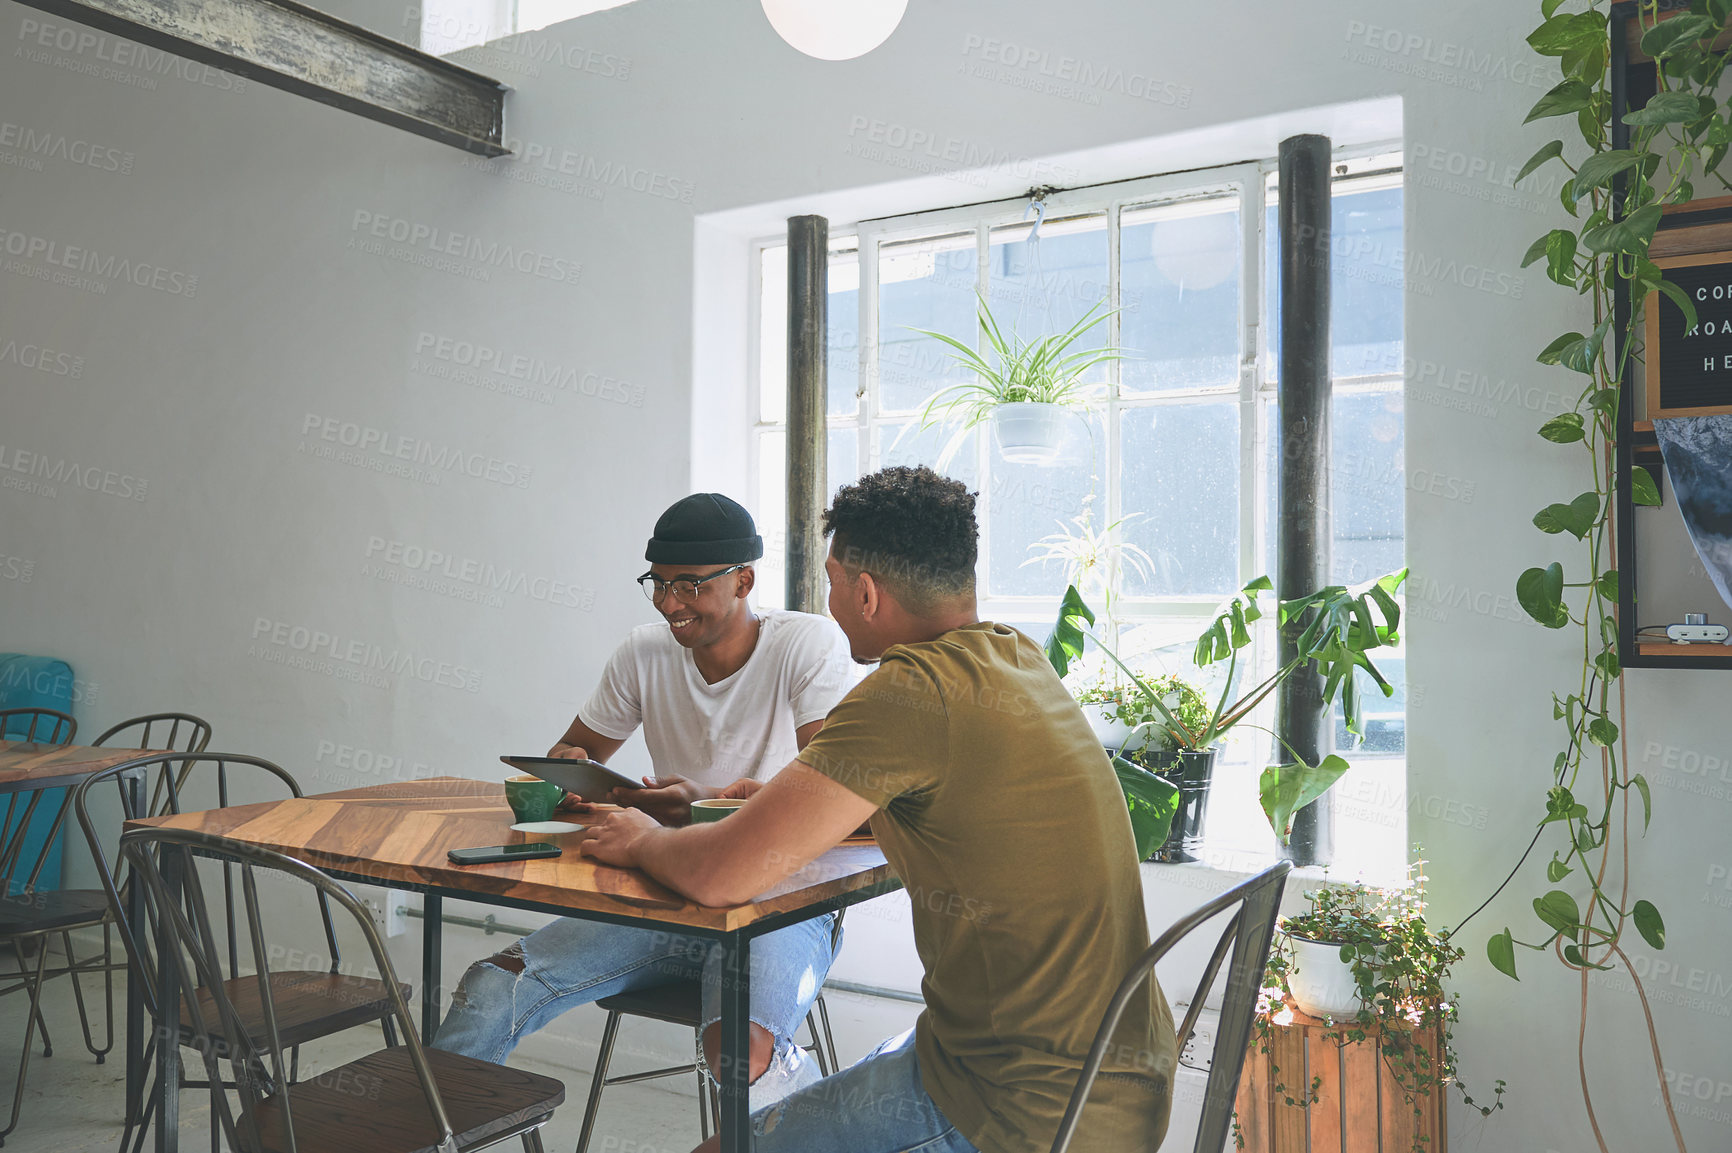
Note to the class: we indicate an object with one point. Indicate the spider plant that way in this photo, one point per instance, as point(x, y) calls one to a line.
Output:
point(1040, 371)
point(1088, 555)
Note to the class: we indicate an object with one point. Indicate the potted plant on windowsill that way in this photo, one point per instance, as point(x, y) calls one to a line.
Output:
point(1027, 391)
point(1336, 627)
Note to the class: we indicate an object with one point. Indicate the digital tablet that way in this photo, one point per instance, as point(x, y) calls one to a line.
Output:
point(591, 780)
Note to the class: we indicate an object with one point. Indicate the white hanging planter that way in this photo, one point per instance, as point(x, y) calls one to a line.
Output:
point(1029, 433)
point(1321, 982)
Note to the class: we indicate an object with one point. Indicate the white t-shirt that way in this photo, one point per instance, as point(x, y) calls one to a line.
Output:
point(741, 726)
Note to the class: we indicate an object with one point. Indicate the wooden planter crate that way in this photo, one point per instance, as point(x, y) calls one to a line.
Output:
point(1359, 1106)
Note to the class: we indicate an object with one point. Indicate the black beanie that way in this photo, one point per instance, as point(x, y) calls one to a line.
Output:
point(705, 528)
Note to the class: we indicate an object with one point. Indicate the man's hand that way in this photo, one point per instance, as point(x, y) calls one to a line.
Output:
point(742, 788)
point(614, 841)
point(567, 752)
point(667, 799)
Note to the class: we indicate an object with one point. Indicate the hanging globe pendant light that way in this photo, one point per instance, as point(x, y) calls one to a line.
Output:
point(835, 29)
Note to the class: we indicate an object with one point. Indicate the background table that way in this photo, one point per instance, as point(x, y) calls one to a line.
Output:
point(36, 765)
point(397, 835)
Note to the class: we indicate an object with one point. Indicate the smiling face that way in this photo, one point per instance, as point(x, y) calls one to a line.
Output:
point(719, 606)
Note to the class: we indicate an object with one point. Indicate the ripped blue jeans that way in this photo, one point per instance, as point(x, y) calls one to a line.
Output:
point(572, 962)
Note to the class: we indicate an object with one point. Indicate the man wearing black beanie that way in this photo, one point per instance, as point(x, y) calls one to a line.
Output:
point(726, 697)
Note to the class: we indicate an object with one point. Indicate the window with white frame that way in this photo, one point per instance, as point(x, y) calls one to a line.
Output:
point(1177, 445)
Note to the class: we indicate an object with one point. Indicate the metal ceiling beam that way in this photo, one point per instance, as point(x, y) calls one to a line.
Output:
point(313, 54)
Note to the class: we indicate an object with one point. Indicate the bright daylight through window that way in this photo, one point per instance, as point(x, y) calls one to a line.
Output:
point(1172, 461)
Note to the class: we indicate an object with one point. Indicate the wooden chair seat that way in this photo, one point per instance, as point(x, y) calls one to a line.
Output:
point(51, 911)
point(677, 1002)
point(377, 1104)
point(309, 1005)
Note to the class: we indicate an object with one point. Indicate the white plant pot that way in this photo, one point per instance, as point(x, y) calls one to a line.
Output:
point(1321, 982)
point(1108, 729)
point(1028, 433)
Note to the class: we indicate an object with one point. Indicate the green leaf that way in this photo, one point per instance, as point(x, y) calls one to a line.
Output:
point(1152, 802)
point(1553, 353)
point(1284, 789)
point(1584, 355)
point(1649, 924)
point(1561, 257)
point(1599, 170)
point(1547, 7)
point(1682, 299)
point(1562, 34)
point(1549, 151)
point(1609, 665)
point(1558, 910)
point(1557, 870)
point(1641, 784)
point(1603, 732)
point(1500, 950)
point(1540, 592)
point(1607, 585)
point(1643, 490)
point(1666, 108)
point(1566, 428)
point(1674, 35)
point(1068, 637)
point(1570, 96)
point(1632, 234)
point(1575, 518)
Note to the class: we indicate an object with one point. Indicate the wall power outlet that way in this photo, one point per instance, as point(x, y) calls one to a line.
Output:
point(385, 907)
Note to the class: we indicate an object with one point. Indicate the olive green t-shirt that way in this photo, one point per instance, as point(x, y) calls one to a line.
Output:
point(999, 811)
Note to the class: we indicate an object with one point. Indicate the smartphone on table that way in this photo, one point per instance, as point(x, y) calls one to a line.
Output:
point(529, 851)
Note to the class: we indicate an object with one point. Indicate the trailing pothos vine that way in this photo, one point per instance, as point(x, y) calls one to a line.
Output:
point(1616, 195)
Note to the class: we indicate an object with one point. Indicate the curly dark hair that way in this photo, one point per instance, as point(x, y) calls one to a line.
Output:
point(912, 529)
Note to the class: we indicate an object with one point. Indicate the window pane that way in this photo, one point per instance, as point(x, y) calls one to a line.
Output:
point(1029, 502)
point(1383, 719)
point(907, 444)
point(843, 460)
point(1367, 259)
point(843, 367)
point(930, 284)
point(1179, 472)
point(1179, 274)
point(773, 334)
point(772, 519)
point(1044, 282)
point(1367, 489)
point(844, 337)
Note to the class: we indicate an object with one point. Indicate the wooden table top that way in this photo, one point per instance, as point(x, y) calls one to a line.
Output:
point(400, 833)
point(35, 765)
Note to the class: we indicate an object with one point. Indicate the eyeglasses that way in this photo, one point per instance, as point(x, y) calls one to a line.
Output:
point(684, 588)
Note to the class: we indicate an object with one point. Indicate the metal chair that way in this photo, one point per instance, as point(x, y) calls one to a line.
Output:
point(681, 1003)
point(312, 1003)
point(1249, 933)
point(181, 732)
point(48, 726)
point(29, 915)
point(399, 1099)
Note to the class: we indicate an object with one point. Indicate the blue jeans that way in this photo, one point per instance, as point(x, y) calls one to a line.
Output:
point(877, 1105)
point(571, 962)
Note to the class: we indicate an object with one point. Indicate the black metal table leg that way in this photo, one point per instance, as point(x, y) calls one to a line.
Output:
point(432, 939)
point(167, 1087)
point(135, 1025)
point(735, 1074)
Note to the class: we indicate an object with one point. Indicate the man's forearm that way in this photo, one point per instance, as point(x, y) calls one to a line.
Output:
point(693, 862)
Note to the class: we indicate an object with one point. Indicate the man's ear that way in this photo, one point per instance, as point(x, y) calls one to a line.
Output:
point(748, 580)
point(869, 594)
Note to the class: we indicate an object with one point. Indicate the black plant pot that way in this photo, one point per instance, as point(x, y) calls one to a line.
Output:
point(1190, 772)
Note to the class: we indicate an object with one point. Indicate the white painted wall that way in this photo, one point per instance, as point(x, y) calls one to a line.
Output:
point(224, 529)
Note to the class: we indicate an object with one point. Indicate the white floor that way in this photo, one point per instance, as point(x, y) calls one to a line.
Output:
point(73, 1105)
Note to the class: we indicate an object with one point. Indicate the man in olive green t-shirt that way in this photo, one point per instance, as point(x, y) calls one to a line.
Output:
point(998, 809)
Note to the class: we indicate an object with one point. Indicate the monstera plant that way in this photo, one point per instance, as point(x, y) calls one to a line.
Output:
point(1336, 628)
